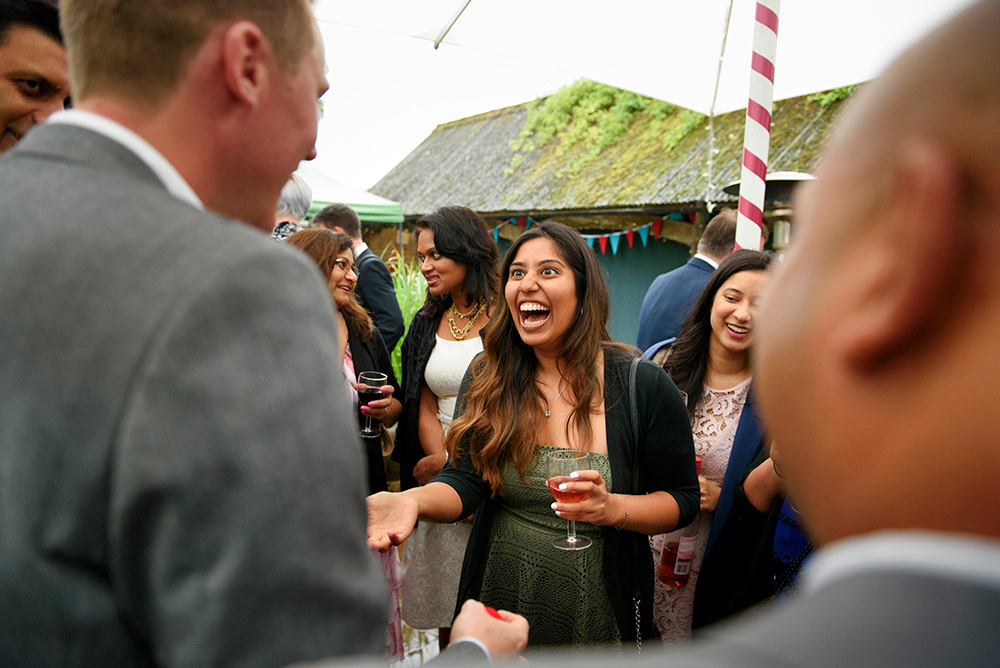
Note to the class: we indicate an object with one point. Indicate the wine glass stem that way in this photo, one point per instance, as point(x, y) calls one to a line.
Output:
point(570, 531)
point(368, 423)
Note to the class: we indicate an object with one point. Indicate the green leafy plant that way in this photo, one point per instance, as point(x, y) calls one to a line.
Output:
point(410, 293)
point(828, 97)
point(596, 115)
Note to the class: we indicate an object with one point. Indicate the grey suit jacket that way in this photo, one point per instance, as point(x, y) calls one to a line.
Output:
point(885, 619)
point(180, 482)
point(880, 619)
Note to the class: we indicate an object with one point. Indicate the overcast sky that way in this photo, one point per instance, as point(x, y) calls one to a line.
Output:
point(388, 92)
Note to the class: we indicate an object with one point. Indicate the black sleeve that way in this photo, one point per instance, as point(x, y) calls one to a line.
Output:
point(667, 447)
point(383, 363)
point(377, 293)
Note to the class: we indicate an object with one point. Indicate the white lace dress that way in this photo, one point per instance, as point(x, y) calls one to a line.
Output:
point(714, 424)
point(432, 555)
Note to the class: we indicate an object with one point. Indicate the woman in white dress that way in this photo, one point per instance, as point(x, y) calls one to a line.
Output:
point(710, 361)
point(458, 259)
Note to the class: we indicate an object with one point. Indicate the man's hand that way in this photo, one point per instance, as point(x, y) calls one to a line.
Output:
point(504, 637)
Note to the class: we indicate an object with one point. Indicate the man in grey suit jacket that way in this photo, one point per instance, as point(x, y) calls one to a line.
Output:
point(179, 486)
point(877, 364)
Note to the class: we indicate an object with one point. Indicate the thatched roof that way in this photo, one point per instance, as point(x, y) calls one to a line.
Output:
point(469, 162)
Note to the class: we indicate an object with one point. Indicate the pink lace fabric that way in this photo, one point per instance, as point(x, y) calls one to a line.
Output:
point(394, 649)
point(713, 425)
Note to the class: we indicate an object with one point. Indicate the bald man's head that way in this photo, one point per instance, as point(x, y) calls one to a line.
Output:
point(877, 353)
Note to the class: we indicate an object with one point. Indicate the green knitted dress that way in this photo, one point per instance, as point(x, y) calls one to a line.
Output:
point(561, 593)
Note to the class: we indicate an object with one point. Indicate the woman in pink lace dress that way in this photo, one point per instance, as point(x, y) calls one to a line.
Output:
point(710, 361)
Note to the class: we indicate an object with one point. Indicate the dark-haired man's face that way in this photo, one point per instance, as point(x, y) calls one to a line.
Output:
point(34, 81)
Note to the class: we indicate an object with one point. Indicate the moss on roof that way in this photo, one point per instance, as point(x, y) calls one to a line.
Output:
point(469, 161)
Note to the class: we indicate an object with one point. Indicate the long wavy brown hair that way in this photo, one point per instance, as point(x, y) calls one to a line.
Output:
point(503, 404)
point(324, 247)
point(687, 364)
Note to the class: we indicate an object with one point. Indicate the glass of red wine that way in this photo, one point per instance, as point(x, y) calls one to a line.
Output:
point(558, 466)
point(370, 389)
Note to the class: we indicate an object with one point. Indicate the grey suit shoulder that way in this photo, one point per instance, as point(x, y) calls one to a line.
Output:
point(183, 473)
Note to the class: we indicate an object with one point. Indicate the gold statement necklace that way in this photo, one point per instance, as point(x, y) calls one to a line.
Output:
point(472, 316)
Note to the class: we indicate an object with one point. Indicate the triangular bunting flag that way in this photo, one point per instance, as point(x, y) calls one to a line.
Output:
point(604, 244)
point(589, 239)
point(496, 234)
point(644, 234)
point(615, 240)
point(630, 237)
point(520, 222)
point(657, 225)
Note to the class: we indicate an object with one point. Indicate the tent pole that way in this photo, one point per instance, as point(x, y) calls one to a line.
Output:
point(451, 25)
point(710, 185)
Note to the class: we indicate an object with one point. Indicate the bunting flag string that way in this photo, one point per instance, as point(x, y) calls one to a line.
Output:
point(615, 238)
point(603, 240)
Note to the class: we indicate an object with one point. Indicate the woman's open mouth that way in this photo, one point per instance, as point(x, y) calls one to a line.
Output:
point(738, 332)
point(533, 314)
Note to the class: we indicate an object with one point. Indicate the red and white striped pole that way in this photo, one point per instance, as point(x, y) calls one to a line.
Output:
point(757, 137)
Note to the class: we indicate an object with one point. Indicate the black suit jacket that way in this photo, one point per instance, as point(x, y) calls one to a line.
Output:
point(669, 300)
point(377, 293)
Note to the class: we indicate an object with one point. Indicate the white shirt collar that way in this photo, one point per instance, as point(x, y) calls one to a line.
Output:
point(959, 556)
point(118, 133)
point(715, 265)
point(359, 249)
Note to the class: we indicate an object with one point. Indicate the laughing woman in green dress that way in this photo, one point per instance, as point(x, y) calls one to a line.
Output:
point(551, 378)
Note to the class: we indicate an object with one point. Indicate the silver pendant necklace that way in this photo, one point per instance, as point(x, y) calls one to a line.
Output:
point(548, 412)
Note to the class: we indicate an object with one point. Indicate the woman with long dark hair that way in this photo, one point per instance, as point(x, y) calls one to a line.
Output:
point(551, 380)
point(710, 362)
point(458, 259)
point(361, 347)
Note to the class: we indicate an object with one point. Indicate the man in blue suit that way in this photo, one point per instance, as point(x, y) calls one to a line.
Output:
point(672, 295)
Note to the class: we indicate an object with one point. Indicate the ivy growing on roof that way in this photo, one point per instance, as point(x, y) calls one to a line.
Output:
point(827, 97)
point(595, 116)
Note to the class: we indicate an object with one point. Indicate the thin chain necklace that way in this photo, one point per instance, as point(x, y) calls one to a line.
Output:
point(473, 315)
point(548, 411)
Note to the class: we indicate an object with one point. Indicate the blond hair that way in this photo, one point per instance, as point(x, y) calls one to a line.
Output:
point(141, 48)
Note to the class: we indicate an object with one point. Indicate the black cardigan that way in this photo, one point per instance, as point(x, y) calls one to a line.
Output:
point(666, 452)
point(371, 355)
point(417, 348)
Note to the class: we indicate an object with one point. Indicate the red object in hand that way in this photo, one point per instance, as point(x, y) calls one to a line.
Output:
point(493, 612)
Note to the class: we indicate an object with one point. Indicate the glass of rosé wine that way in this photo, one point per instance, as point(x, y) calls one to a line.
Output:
point(558, 466)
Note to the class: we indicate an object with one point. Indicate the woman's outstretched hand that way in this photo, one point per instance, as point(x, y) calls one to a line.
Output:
point(391, 517)
point(597, 508)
